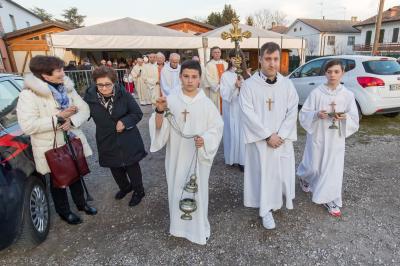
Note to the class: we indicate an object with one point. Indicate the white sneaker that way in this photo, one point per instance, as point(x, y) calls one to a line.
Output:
point(268, 221)
point(333, 209)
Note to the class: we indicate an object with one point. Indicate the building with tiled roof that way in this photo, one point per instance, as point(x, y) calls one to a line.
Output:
point(326, 36)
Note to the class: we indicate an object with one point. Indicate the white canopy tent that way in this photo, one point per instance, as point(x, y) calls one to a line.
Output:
point(130, 34)
point(126, 33)
point(258, 38)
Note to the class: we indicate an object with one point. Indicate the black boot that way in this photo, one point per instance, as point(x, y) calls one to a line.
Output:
point(89, 210)
point(122, 193)
point(136, 198)
point(71, 218)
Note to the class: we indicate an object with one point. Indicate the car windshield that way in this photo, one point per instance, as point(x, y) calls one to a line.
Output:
point(20, 82)
point(8, 103)
point(382, 67)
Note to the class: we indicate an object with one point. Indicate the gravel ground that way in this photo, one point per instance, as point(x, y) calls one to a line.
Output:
point(367, 234)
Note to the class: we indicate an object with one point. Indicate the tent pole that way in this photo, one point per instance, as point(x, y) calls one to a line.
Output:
point(258, 53)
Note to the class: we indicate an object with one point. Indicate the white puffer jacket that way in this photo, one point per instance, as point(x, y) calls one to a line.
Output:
point(36, 108)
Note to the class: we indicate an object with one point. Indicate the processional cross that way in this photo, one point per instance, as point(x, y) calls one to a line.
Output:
point(236, 35)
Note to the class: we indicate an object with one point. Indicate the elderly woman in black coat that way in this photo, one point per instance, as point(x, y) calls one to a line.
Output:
point(119, 143)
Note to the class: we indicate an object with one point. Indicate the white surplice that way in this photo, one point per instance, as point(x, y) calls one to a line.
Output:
point(202, 119)
point(323, 158)
point(233, 134)
point(169, 80)
point(269, 173)
point(139, 77)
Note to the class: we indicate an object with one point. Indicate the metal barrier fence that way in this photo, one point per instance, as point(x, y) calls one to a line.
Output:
point(84, 78)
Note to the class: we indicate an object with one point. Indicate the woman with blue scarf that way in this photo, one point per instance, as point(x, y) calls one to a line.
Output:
point(49, 98)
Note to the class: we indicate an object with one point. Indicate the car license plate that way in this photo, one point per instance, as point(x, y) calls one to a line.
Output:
point(395, 87)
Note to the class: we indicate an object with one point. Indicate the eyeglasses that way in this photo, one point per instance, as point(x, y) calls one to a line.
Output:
point(107, 85)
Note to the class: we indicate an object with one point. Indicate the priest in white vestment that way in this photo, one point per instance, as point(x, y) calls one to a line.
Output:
point(195, 115)
point(151, 77)
point(268, 102)
point(139, 78)
point(169, 81)
point(214, 70)
point(321, 170)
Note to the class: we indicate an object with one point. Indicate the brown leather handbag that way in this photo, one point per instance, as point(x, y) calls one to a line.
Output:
point(67, 163)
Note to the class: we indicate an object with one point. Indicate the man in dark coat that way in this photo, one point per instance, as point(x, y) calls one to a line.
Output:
point(119, 143)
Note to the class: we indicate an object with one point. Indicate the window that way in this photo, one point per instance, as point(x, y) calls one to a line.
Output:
point(296, 74)
point(349, 64)
point(312, 69)
point(395, 36)
point(331, 40)
point(368, 37)
point(34, 38)
point(300, 28)
point(295, 29)
point(381, 35)
point(351, 40)
point(14, 25)
point(20, 83)
point(382, 67)
point(8, 103)
point(28, 24)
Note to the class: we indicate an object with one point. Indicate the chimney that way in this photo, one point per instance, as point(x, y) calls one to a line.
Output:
point(353, 19)
point(273, 24)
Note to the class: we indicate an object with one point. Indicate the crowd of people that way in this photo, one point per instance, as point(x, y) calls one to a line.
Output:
point(195, 107)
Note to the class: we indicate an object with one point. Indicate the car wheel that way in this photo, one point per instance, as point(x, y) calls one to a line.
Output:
point(360, 115)
point(36, 214)
point(392, 114)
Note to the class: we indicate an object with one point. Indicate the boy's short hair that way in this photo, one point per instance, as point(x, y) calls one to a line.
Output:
point(191, 64)
point(334, 62)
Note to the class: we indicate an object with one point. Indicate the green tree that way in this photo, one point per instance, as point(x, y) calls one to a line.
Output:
point(42, 14)
point(250, 21)
point(72, 17)
point(215, 19)
point(219, 19)
point(228, 13)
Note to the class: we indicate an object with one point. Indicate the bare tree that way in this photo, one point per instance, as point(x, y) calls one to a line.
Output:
point(338, 49)
point(264, 18)
point(311, 46)
point(200, 19)
point(280, 18)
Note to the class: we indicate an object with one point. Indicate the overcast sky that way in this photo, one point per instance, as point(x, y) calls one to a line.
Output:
point(158, 11)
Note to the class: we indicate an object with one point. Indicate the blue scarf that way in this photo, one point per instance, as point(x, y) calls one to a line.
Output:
point(60, 95)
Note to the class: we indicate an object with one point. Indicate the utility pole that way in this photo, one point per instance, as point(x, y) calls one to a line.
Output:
point(378, 27)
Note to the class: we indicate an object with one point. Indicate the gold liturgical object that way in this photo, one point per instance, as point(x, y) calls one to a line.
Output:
point(236, 35)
